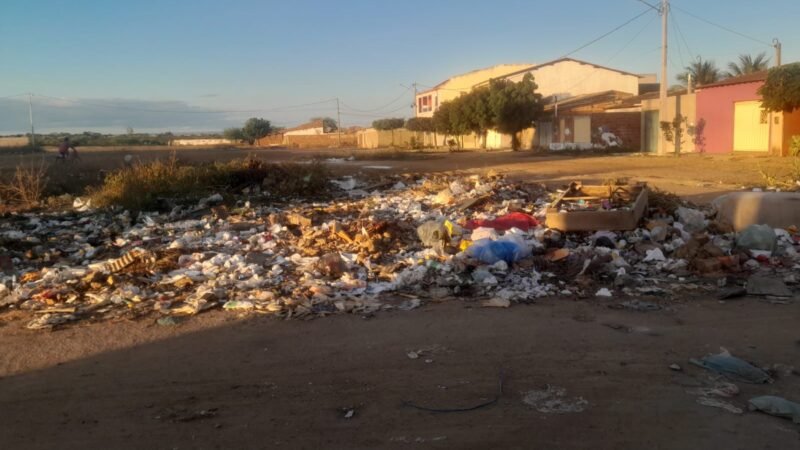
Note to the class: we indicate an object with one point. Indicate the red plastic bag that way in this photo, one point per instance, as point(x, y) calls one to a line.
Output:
point(512, 220)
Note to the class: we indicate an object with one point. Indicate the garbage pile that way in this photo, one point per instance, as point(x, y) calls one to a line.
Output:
point(394, 245)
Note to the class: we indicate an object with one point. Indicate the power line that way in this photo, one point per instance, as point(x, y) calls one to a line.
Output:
point(683, 38)
point(729, 30)
point(382, 114)
point(380, 107)
point(675, 30)
point(652, 6)
point(12, 96)
point(607, 33)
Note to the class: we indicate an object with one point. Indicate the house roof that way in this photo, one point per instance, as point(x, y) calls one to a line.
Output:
point(306, 126)
point(603, 99)
point(748, 78)
point(560, 60)
point(443, 83)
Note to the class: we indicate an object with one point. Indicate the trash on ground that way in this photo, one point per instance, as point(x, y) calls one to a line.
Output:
point(771, 286)
point(554, 400)
point(776, 406)
point(721, 404)
point(591, 208)
point(732, 367)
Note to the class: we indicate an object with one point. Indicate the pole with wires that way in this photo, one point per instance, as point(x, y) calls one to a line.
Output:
point(30, 117)
point(662, 95)
point(777, 44)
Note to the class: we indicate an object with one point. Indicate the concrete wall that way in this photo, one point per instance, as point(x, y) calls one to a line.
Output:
point(685, 105)
point(716, 106)
point(570, 78)
point(199, 142)
point(14, 141)
point(790, 127)
point(308, 141)
point(306, 132)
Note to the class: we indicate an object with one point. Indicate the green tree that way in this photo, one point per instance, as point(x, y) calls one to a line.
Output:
point(748, 64)
point(515, 106)
point(781, 91)
point(702, 71)
point(233, 134)
point(328, 124)
point(422, 124)
point(255, 128)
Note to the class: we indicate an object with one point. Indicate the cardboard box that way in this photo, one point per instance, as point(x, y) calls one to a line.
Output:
point(618, 219)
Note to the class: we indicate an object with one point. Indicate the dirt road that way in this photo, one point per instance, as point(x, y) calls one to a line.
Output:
point(220, 382)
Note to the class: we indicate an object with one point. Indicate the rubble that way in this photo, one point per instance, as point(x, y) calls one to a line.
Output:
point(392, 245)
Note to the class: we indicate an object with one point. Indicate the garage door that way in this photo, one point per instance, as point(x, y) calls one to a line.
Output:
point(750, 127)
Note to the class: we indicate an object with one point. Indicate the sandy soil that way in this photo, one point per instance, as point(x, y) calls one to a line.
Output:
point(221, 381)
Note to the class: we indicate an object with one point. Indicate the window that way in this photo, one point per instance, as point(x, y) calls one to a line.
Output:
point(425, 103)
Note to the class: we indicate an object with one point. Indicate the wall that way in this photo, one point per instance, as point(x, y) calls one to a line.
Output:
point(685, 105)
point(306, 132)
point(14, 141)
point(308, 141)
point(569, 78)
point(372, 138)
point(625, 125)
point(715, 105)
point(200, 142)
point(454, 86)
point(791, 127)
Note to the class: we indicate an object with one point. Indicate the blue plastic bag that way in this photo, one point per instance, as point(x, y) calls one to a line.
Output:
point(489, 251)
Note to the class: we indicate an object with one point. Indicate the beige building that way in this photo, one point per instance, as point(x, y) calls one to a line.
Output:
point(427, 102)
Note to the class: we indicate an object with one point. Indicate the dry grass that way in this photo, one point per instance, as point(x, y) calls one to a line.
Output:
point(143, 185)
point(786, 180)
point(26, 188)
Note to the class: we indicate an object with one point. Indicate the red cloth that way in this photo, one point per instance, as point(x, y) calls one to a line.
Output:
point(511, 220)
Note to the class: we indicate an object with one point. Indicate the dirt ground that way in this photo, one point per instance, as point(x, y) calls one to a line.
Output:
point(222, 381)
point(696, 177)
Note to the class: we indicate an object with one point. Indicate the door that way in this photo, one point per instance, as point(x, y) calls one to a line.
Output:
point(544, 132)
point(583, 131)
point(651, 130)
point(750, 127)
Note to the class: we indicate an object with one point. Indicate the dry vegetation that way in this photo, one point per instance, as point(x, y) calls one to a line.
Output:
point(143, 185)
point(26, 188)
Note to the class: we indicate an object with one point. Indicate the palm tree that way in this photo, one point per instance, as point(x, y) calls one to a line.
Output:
point(748, 64)
point(703, 72)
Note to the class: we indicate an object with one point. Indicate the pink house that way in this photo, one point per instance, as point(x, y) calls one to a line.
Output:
point(735, 122)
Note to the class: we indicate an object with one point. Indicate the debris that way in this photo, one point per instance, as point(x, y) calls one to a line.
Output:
point(655, 255)
point(496, 303)
point(349, 413)
point(490, 252)
point(760, 285)
point(757, 237)
point(603, 292)
point(591, 208)
point(693, 220)
point(776, 406)
point(506, 222)
point(554, 400)
point(675, 367)
point(732, 367)
point(743, 209)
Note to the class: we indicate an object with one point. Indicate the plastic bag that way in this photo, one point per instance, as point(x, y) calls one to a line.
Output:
point(776, 406)
point(757, 237)
point(512, 220)
point(490, 252)
point(692, 219)
point(433, 234)
point(732, 367)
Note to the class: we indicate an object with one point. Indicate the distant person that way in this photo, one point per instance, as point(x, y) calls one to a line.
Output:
point(63, 148)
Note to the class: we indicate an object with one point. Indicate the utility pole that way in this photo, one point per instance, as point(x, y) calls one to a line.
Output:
point(30, 116)
point(338, 124)
point(663, 86)
point(414, 99)
point(777, 44)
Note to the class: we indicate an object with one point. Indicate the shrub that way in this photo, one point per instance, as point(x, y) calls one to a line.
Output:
point(27, 187)
point(794, 145)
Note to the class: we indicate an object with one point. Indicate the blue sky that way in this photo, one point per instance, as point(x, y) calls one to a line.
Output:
point(135, 58)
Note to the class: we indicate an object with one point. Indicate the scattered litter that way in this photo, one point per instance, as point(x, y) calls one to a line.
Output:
point(675, 367)
point(554, 400)
point(757, 237)
point(776, 406)
point(732, 367)
point(760, 285)
point(603, 292)
point(496, 303)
